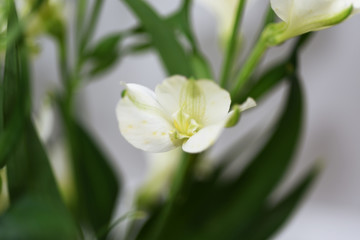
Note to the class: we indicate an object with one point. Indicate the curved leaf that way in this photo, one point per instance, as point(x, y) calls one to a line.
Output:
point(273, 217)
point(247, 193)
point(163, 38)
point(96, 182)
point(36, 210)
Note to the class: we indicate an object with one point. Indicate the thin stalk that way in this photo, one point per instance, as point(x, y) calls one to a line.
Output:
point(177, 185)
point(80, 16)
point(249, 66)
point(92, 24)
point(64, 69)
point(232, 45)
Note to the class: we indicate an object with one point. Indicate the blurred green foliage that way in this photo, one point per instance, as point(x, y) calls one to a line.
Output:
point(211, 207)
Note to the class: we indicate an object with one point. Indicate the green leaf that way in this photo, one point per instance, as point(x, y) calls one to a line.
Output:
point(105, 46)
point(267, 81)
point(163, 38)
point(34, 197)
point(247, 193)
point(200, 67)
point(273, 217)
point(36, 210)
point(96, 182)
point(104, 54)
point(15, 91)
point(180, 21)
point(33, 218)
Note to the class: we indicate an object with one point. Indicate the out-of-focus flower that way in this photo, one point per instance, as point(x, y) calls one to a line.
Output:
point(161, 170)
point(48, 19)
point(225, 12)
point(302, 16)
point(180, 112)
point(45, 119)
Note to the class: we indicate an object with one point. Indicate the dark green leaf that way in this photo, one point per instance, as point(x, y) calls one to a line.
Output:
point(163, 37)
point(37, 219)
point(15, 91)
point(105, 46)
point(96, 182)
point(36, 210)
point(100, 66)
point(34, 197)
point(138, 48)
point(271, 220)
point(248, 192)
point(266, 82)
point(104, 54)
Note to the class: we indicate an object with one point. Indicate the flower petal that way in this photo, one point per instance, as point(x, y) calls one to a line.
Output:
point(203, 139)
point(290, 10)
point(282, 8)
point(143, 122)
point(249, 103)
point(217, 102)
point(169, 91)
point(294, 12)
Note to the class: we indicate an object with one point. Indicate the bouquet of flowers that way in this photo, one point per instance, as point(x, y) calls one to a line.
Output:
point(57, 182)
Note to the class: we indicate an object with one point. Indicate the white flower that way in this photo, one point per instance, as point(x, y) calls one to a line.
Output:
point(301, 16)
point(225, 12)
point(180, 112)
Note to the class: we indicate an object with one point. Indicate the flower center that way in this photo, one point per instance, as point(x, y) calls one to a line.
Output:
point(185, 125)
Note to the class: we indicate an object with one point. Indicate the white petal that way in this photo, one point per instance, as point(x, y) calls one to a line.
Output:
point(142, 121)
point(168, 93)
point(356, 5)
point(297, 12)
point(249, 103)
point(203, 139)
point(282, 8)
point(217, 101)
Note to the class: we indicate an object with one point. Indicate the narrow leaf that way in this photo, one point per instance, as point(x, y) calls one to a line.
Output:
point(249, 191)
point(36, 210)
point(15, 91)
point(271, 220)
point(163, 37)
point(96, 182)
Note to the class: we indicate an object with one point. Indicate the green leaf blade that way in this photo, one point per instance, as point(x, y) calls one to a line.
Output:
point(163, 38)
point(96, 182)
point(274, 217)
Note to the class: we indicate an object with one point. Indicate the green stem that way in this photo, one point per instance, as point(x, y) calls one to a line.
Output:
point(92, 24)
point(182, 172)
point(231, 47)
point(249, 66)
point(64, 70)
point(80, 16)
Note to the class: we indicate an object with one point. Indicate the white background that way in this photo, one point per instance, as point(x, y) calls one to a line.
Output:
point(330, 68)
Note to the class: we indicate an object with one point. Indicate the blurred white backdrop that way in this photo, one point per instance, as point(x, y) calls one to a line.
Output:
point(330, 67)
